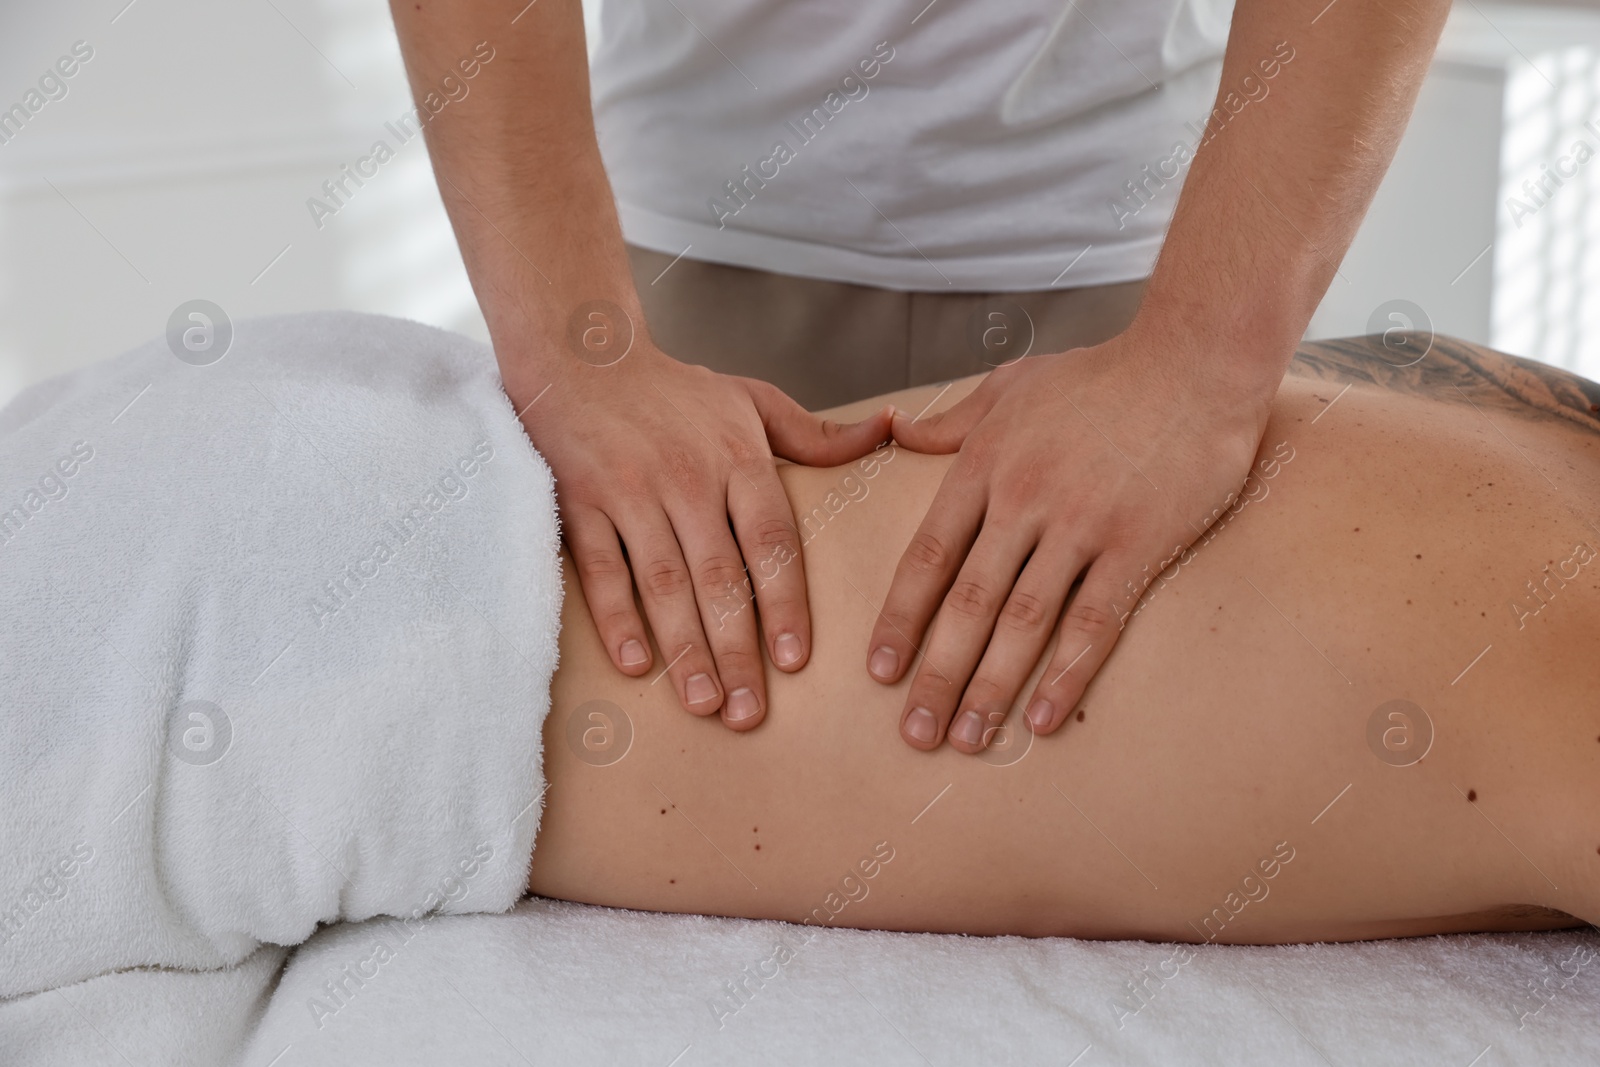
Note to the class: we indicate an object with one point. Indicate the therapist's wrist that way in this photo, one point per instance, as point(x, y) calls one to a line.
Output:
point(1243, 344)
point(548, 333)
point(600, 344)
point(1218, 380)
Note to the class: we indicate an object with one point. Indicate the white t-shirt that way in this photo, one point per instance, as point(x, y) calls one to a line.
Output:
point(952, 146)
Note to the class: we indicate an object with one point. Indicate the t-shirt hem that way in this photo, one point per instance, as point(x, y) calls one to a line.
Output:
point(1093, 264)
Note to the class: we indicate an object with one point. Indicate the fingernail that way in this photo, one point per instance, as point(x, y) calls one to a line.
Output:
point(1040, 712)
point(883, 664)
point(922, 725)
point(786, 650)
point(700, 688)
point(742, 704)
point(968, 728)
point(633, 653)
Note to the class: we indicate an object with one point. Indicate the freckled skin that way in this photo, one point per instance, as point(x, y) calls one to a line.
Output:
point(1205, 754)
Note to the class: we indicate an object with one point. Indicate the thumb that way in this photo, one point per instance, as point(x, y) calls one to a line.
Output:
point(797, 435)
point(944, 431)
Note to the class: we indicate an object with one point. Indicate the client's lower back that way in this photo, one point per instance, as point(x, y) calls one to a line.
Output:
point(1229, 734)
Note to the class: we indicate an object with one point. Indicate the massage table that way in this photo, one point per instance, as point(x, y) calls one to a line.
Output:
point(290, 897)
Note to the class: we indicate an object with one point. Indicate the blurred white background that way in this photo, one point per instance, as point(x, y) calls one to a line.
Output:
point(179, 163)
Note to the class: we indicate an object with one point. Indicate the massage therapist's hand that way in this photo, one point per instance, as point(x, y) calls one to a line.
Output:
point(1108, 459)
point(664, 471)
point(659, 459)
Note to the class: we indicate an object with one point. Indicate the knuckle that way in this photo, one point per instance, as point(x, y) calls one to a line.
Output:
point(578, 490)
point(664, 578)
point(978, 454)
point(684, 659)
point(747, 454)
point(614, 621)
point(1027, 481)
point(779, 601)
point(935, 692)
point(1086, 617)
point(628, 482)
point(928, 552)
point(892, 629)
point(681, 466)
point(985, 692)
point(971, 599)
point(737, 663)
point(1023, 611)
point(715, 575)
point(602, 568)
point(772, 534)
point(782, 613)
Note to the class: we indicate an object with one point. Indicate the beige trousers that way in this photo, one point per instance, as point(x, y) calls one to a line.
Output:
point(827, 343)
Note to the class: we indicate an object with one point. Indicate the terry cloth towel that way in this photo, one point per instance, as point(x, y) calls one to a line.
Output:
point(279, 634)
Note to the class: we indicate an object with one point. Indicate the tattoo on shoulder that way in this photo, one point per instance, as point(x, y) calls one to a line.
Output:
point(1458, 371)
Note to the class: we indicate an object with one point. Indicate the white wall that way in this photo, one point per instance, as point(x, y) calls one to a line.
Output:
point(1510, 92)
point(179, 163)
point(178, 167)
point(1547, 270)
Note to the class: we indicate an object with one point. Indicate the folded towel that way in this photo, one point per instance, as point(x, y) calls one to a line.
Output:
point(278, 643)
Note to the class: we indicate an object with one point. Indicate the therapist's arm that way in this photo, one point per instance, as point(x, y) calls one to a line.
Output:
point(664, 471)
point(1110, 461)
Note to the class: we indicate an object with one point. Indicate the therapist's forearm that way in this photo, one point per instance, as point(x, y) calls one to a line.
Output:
point(1278, 189)
point(519, 171)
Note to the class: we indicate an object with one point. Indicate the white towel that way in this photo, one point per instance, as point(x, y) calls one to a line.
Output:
point(279, 632)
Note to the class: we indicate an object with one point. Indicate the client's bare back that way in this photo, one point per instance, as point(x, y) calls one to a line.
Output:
point(1360, 706)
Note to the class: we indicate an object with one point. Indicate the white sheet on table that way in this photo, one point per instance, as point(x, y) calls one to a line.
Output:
point(557, 983)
